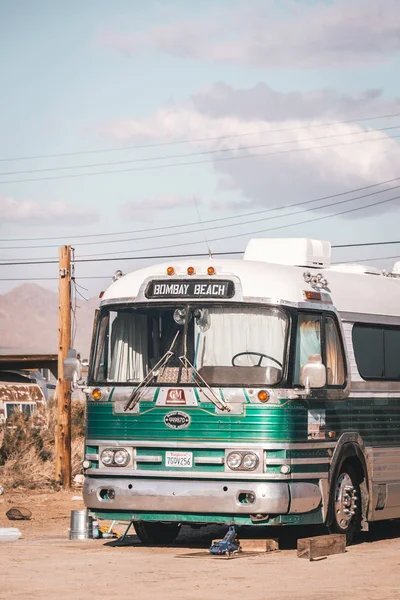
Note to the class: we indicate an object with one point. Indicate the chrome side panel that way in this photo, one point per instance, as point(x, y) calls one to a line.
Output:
point(384, 464)
point(304, 497)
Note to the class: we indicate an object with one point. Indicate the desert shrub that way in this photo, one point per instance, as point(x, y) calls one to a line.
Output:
point(28, 446)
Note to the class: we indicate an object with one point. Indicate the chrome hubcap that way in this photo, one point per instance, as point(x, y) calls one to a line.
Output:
point(345, 500)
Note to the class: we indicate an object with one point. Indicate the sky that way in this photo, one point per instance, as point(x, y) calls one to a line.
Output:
point(131, 129)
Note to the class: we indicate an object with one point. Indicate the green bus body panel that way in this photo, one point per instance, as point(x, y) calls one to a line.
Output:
point(311, 518)
point(376, 420)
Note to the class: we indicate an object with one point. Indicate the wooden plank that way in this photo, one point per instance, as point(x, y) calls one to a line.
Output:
point(257, 545)
point(323, 545)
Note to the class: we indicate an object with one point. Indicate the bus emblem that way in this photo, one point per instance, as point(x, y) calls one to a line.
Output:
point(177, 420)
point(175, 397)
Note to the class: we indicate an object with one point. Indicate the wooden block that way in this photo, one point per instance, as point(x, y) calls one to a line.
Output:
point(254, 545)
point(323, 545)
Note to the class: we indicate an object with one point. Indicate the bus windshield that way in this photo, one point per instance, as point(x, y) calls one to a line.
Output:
point(241, 345)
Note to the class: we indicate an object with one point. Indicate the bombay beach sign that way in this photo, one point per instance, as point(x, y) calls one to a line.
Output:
point(190, 289)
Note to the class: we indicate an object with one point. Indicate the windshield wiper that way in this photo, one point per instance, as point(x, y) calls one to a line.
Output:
point(198, 379)
point(162, 363)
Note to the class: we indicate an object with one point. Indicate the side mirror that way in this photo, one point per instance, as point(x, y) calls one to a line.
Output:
point(72, 367)
point(313, 374)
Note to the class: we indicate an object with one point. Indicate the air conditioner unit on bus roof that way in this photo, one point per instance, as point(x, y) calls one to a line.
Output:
point(299, 252)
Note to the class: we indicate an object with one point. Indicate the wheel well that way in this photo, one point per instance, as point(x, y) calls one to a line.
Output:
point(351, 455)
point(357, 466)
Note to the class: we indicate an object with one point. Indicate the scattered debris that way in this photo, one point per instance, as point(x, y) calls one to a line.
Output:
point(9, 534)
point(108, 532)
point(1, 490)
point(229, 545)
point(18, 514)
point(321, 546)
point(79, 479)
point(77, 498)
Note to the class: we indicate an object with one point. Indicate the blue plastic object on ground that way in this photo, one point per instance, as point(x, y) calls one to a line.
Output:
point(229, 545)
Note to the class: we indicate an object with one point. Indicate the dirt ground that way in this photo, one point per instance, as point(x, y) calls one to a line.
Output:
point(44, 564)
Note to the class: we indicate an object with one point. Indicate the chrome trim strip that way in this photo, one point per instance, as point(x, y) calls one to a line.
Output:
point(127, 300)
point(298, 461)
point(209, 460)
point(354, 317)
point(148, 459)
point(375, 387)
point(91, 456)
point(205, 445)
point(189, 475)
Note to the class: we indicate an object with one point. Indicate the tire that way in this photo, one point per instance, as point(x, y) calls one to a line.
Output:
point(157, 534)
point(345, 503)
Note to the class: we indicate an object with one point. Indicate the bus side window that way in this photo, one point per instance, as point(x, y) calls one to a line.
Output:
point(334, 354)
point(308, 341)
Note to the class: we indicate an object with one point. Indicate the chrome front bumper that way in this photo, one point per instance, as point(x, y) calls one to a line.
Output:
point(191, 496)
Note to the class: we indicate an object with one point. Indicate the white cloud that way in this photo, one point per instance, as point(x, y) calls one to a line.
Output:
point(142, 209)
point(57, 211)
point(278, 166)
point(344, 33)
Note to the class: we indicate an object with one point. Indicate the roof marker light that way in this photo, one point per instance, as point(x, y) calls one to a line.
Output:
point(191, 271)
point(312, 295)
point(170, 271)
point(211, 271)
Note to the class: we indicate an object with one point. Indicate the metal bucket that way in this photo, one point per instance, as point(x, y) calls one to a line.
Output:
point(81, 527)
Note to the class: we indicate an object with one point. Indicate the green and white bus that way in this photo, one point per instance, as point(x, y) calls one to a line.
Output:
point(261, 391)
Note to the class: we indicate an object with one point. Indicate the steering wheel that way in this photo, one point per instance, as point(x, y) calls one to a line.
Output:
point(260, 354)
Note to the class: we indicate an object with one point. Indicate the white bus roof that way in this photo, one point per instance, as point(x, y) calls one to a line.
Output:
point(353, 288)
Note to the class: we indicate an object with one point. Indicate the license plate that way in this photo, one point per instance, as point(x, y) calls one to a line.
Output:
point(179, 459)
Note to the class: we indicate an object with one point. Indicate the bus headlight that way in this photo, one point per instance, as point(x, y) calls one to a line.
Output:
point(242, 461)
point(107, 457)
point(250, 461)
point(117, 457)
point(121, 458)
point(234, 460)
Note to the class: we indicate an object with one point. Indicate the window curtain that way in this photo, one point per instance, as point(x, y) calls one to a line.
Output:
point(128, 347)
point(245, 330)
point(308, 341)
point(334, 356)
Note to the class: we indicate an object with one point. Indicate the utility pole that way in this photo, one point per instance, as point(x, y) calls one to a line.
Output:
point(63, 430)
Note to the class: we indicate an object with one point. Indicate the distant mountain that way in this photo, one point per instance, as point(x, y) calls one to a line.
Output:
point(29, 321)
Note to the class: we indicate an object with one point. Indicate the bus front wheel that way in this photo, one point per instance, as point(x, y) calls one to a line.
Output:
point(346, 503)
point(157, 534)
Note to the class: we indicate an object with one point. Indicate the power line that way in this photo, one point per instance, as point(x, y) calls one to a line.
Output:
point(253, 221)
point(201, 229)
point(362, 260)
point(92, 257)
point(194, 140)
point(168, 227)
point(53, 278)
point(366, 244)
point(198, 162)
point(323, 217)
point(162, 256)
point(189, 154)
point(229, 237)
